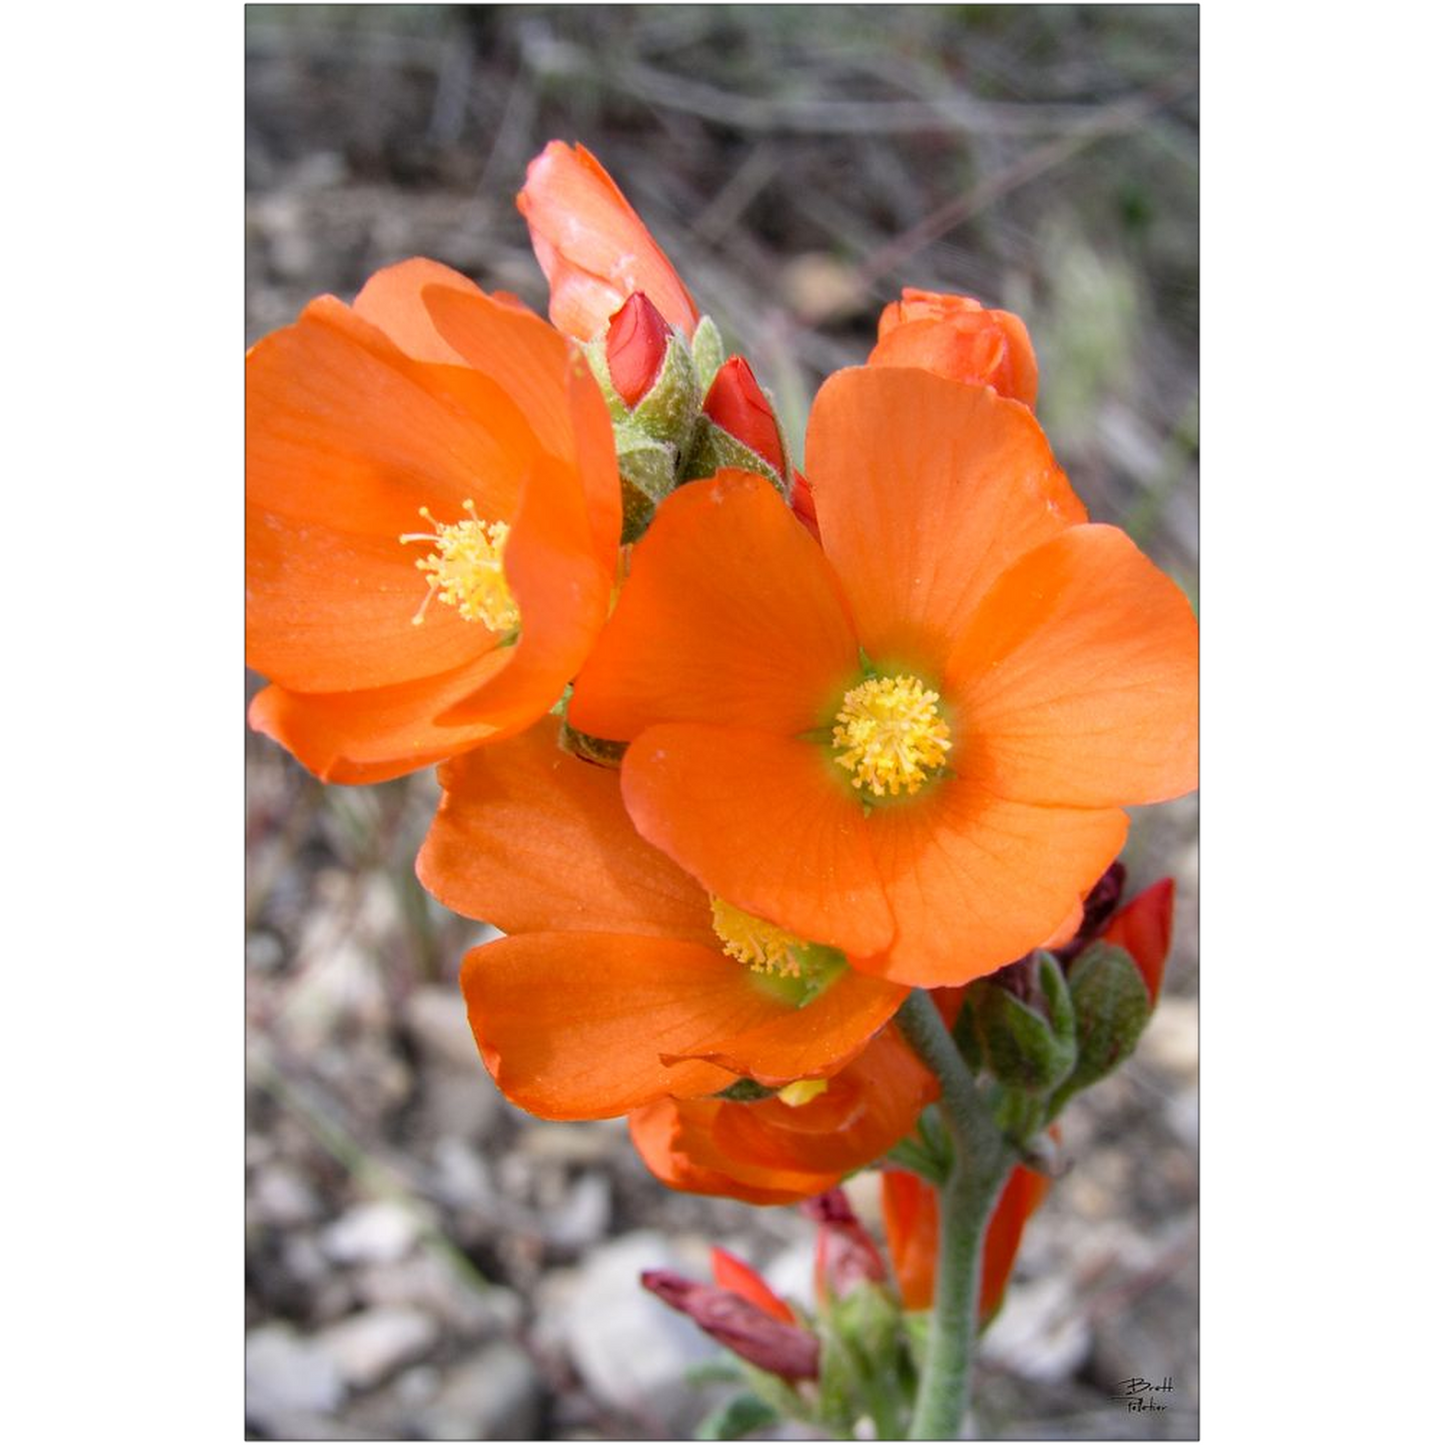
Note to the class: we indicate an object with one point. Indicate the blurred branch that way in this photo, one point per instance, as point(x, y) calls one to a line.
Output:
point(1121, 116)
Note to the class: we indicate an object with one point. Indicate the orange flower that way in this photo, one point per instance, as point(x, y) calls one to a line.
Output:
point(914, 742)
point(622, 982)
point(773, 1152)
point(593, 246)
point(910, 1223)
point(956, 337)
point(739, 1278)
point(393, 639)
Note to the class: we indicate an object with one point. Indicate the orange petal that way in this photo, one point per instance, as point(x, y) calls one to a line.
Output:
point(1022, 1194)
point(573, 1025)
point(926, 490)
point(593, 246)
point(660, 1134)
point(529, 837)
point(343, 429)
point(975, 881)
point(330, 610)
point(809, 1042)
point(729, 616)
point(527, 358)
point(1077, 679)
point(377, 733)
point(910, 1224)
point(392, 301)
point(763, 823)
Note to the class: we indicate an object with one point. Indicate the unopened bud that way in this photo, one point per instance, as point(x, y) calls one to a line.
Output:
point(735, 402)
point(637, 338)
point(846, 1256)
point(784, 1350)
point(739, 429)
point(1023, 1022)
point(1111, 1007)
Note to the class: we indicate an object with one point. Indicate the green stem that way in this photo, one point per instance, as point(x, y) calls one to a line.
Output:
point(981, 1160)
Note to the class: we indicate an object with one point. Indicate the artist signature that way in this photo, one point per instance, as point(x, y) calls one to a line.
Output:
point(1140, 1394)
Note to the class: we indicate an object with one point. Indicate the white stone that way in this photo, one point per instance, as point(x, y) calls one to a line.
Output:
point(370, 1346)
point(288, 1375)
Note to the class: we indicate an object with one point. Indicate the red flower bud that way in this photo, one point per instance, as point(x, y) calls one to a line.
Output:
point(846, 1257)
point(637, 337)
point(735, 402)
point(783, 1350)
point(1142, 928)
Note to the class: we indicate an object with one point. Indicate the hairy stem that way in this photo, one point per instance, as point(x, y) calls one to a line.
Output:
point(981, 1160)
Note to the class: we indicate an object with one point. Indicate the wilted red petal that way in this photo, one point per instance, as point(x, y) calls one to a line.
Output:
point(781, 1349)
point(845, 1256)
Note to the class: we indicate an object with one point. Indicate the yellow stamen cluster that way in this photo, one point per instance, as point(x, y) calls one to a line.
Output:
point(466, 569)
point(890, 736)
point(763, 946)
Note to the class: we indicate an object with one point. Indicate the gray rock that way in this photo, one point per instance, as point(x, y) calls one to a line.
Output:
point(583, 1215)
point(288, 1376)
point(1040, 1333)
point(368, 1347)
point(494, 1394)
point(629, 1348)
point(437, 1020)
point(280, 1196)
point(373, 1233)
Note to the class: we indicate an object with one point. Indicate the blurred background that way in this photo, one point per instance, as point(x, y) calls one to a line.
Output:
point(423, 1261)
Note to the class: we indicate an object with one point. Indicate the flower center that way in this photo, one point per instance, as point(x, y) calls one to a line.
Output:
point(465, 568)
point(763, 946)
point(890, 736)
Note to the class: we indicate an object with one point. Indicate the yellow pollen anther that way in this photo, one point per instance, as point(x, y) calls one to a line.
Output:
point(763, 946)
point(802, 1091)
point(890, 736)
point(465, 567)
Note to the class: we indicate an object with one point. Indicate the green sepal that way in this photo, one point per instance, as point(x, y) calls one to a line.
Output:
point(1111, 1005)
point(596, 353)
point(1024, 1049)
point(713, 449)
point(745, 1091)
point(648, 469)
point(708, 354)
point(605, 751)
point(737, 1417)
point(668, 412)
point(866, 1366)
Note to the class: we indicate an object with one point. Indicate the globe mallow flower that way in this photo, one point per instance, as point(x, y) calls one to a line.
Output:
point(960, 338)
point(432, 523)
point(623, 982)
point(593, 247)
point(913, 743)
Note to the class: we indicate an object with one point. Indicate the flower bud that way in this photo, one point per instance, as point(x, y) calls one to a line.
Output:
point(784, 1350)
point(637, 338)
point(1022, 1020)
point(740, 430)
point(731, 1273)
point(1111, 1007)
point(846, 1256)
point(735, 402)
point(957, 337)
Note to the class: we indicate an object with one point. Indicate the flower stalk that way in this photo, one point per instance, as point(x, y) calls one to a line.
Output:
point(982, 1159)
